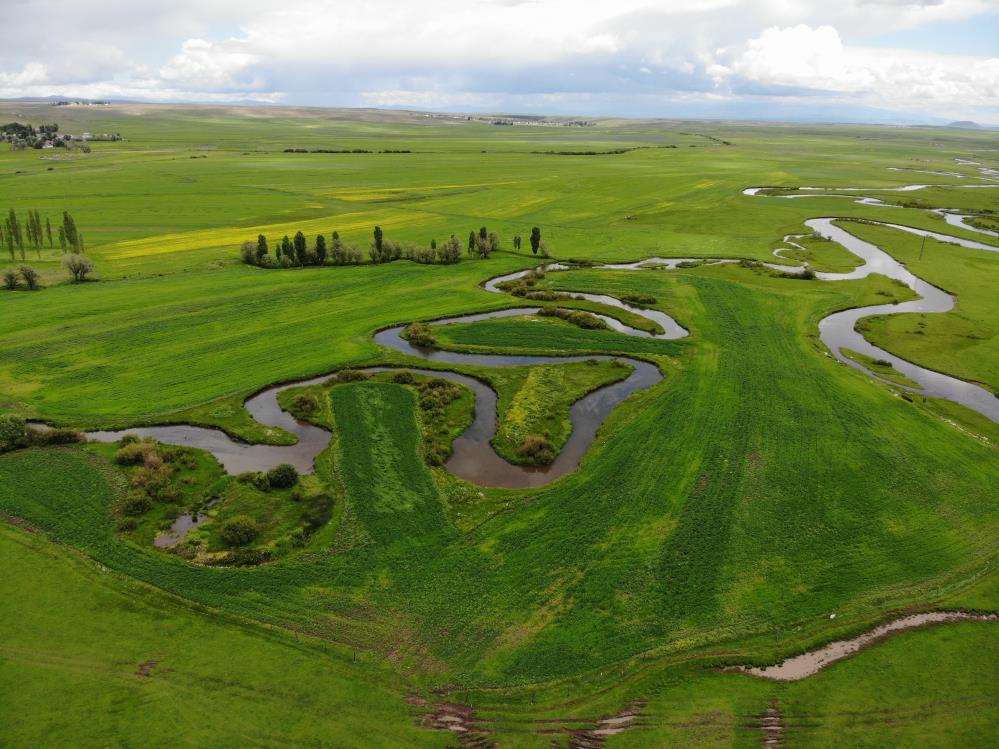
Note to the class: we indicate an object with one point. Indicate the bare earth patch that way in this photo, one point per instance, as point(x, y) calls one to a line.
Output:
point(810, 663)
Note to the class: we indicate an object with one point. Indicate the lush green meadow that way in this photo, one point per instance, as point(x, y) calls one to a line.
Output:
point(720, 517)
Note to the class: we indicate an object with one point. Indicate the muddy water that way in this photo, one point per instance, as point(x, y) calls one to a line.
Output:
point(838, 330)
point(239, 457)
point(474, 459)
point(671, 329)
point(180, 527)
point(808, 664)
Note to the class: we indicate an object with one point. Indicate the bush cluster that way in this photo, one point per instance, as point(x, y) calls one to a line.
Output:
point(283, 476)
point(639, 300)
point(418, 333)
point(303, 405)
point(152, 481)
point(351, 375)
point(546, 295)
point(15, 434)
point(240, 530)
point(576, 317)
point(12, 278)
point(386, 250)
point(537, 450)
point(522, 286)
point(434, 397)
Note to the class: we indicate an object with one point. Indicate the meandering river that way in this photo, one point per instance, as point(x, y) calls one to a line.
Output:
point(473, 457)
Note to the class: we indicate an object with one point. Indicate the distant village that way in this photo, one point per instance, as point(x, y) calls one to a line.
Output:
point(21, 137)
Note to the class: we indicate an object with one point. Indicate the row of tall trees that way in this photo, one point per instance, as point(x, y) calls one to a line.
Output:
point(17, 237)
point(291, 252)
point(297, 251)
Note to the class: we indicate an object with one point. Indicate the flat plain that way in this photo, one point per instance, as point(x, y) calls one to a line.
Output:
point(758, 501)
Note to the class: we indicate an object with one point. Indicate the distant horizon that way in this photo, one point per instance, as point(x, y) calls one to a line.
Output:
point(803, 120)
point(889, 61)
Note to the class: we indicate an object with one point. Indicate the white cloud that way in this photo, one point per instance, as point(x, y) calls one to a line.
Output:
point(204, 66)
point(805, 58)
point(484, 53)
point(32, 74)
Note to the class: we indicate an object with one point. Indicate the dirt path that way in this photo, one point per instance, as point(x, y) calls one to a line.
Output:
point(772, 725)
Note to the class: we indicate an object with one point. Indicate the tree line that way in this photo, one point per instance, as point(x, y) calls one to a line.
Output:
point(17, 237)
point(297, 251)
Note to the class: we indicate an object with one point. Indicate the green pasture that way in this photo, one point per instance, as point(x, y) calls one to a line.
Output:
point(721, 516)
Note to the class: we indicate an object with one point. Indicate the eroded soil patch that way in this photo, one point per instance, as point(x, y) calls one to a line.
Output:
point(807, 664)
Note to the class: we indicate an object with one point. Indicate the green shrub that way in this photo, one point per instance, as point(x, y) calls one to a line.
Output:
point(303, 404)
point(537, 450)
point(317, 514)
point(546, 295)
point(638, 300)
point(59, 436)
point(12, 431)
point(437, 394)
point(351, 375)
point(125, 525)
point(576, 317)
point(418, 333)
point(136, 503)
point(240, 530)
point(154, 481)
point(283, 476)
point(135, 452)
point(405, 377)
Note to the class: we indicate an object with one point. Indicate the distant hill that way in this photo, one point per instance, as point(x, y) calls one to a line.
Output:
point(966, 125)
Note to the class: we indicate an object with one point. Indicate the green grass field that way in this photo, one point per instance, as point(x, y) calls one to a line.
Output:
point(720, 517)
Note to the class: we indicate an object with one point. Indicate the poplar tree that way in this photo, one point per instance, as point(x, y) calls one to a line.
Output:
point(48, 231)
point(535, 239)
point(15, 226)
point(261, 248)
point(69, 228)
point(301, 253)
point(38, 237)
point(320, 249)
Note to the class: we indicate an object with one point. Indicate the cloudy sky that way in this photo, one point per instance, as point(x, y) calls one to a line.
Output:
point(874, 60)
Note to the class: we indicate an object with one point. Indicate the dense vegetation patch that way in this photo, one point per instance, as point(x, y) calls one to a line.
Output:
point(534, 407)
point(579, 318)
